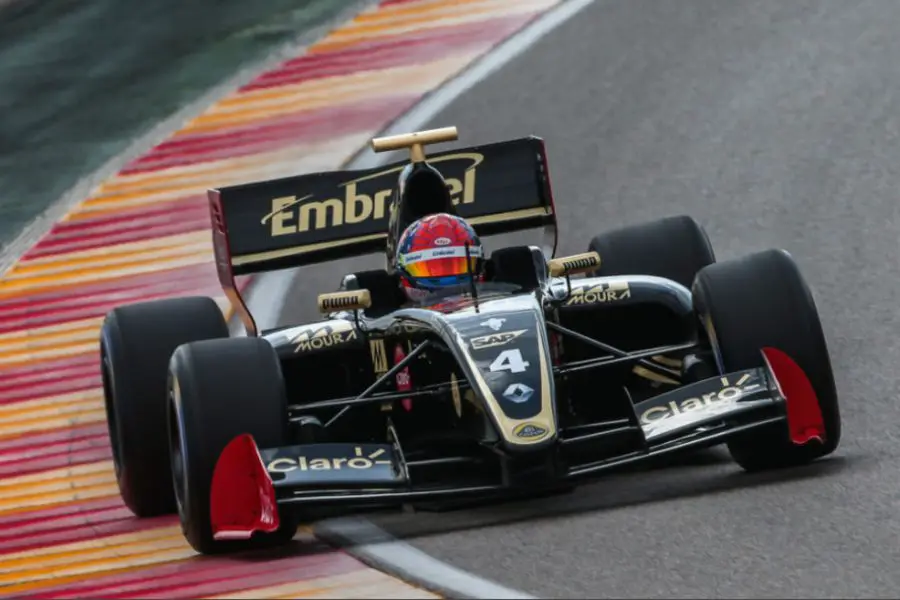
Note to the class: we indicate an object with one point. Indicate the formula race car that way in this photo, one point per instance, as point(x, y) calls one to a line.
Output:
point(546, 371)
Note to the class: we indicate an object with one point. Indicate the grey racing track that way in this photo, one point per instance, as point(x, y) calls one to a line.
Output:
point(776, 125)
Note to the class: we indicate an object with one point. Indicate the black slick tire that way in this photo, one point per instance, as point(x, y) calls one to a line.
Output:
point(757, 301)
point(219, 389)
point(673, 247)
point(136, 343)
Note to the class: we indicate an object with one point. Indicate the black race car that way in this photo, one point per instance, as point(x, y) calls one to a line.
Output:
point(547, 372)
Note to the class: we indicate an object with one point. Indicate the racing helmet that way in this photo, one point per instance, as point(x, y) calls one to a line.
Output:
point(431, 254)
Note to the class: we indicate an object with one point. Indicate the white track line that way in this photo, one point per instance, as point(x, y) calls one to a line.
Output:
point(267, 296)
point(375, 547)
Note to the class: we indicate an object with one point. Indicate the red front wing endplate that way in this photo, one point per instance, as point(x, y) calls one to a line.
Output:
point(242, 499)
point(804, 414)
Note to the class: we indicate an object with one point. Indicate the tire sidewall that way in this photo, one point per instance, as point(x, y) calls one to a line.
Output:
point(204, 432)
point(139, 453)
point(786, 318)
point(674, 248)
point(136, 343)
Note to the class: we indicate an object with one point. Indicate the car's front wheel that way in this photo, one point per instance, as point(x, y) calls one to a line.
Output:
point(759, 301)
point(218, 390)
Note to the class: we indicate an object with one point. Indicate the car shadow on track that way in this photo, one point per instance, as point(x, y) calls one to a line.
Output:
point(700, 474)
point(303, 544)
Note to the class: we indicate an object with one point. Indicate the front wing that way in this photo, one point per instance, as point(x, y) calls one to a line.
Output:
point(356, 475)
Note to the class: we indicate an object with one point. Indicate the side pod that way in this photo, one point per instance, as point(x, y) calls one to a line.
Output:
point(242, 498)
point(804, 415)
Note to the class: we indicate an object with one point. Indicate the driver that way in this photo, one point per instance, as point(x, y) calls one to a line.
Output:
point(431, 255)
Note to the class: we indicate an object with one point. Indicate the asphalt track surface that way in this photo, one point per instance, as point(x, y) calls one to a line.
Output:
point(776, 125)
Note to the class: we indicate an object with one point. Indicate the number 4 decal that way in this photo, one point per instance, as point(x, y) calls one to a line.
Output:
point(509, 360)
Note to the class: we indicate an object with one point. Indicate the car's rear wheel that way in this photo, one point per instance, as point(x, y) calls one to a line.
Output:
point(674, 247)
point(136, 342)
point(219, 389)
point(758, 301)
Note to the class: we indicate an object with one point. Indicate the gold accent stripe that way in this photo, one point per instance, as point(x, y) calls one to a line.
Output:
point(675, 363)
point(648, 374)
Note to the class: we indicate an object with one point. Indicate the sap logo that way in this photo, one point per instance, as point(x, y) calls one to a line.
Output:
point(495, 339)
point(357, 462)
point(595, 294)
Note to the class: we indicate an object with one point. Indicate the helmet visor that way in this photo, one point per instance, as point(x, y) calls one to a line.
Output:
point(440, 262)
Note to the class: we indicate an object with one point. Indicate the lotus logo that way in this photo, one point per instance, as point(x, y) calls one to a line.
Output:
point(530, 431)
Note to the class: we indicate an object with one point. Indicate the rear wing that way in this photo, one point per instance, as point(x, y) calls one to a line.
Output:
point(307, 219)
point(295, 221)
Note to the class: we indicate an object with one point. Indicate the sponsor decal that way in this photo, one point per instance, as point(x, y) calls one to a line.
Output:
point(445, 252)
point(301, 213)
point(379, 356)
point(518, 393)
point(357, 461)
point(510, 360)
point(324, 336)
point(581, 263)
point(493, 323)
point(495, 339)
point(720, 399)
point(351, 300)
point(337, 303)
point(599, 293)
point(442, 241)
point(530, 431)
point(403, 379)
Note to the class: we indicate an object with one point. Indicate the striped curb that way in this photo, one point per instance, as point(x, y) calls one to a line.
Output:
point(144, 234)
